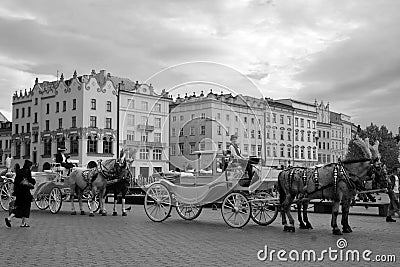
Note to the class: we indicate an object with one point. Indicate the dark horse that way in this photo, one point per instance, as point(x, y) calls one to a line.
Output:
point(337, 182)
point(118, 177)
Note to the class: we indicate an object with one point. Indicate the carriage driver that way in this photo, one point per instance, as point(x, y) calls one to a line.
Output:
point(236, 154)
point(63, 160)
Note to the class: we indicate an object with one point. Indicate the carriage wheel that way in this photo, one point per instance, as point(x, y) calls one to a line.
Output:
point(55, 200)
point(6, 194)
point(236, 210)
point(187, 211)
point(93, 204)
point(42, 201)
point(263, 212)
point(157, 203)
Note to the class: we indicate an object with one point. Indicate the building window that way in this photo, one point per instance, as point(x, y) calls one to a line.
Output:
point(130, 135)
point(16, 113)
point(47, 108)
point(236, 118)
point(273, 117)
point(296, 122)
point(131, 120)
point(252, 120)
point(157, 137)
point(302, 136)
point(289, 152)
point(174, 118)
point(107, 146)
point(274, 134)
point(192, 130)
point(35, 119)
point(253, 150)
point(302, 152)
point(296, 153)
point(157, 122)
point(92, 145)
point(274, 153)
point(173, 150)
point(228, 130)
point(218, 115)
point(308, 124)
point(181, 132)
point(74, 122)
point(60, 123)
point(282, 135)
point(313, 124)
point(268, 133)
point(29, 111)
point(130, 103)
point(74, 145)
point(268, 151)
point(181, 117)
point(309, 153)
point(259, 134)
point(180, 148)
point(27, 149)
point(157, 154)
point(219, 130)
point(296, 136)
point(202, 130)
point(246, 133)
point(227, 117)
point(289, 136)
point(289, 120)
point(23, 113)
point(108, 123)
point(57, 107)
point(93, 104)
point(193, 147)
point(219, 146)
point(108, 106)
point(145, 137)
point(282, 119)
point(314, 154)
point(35, 138)
point(203, 115)
point(302, 123)
point(282, 152)
point(28, 127)
point(47, 148)
point(145, 105)
point(64, 106)
point(73, 104)
point(252, 134)
point(36, 101)
point(93, 122)
point(193, 116)
point(18, 150)
point(144, 153)
point(259, 149)
point(268, 117)
point(309, 137)
point(202, 146)
point(173, 132)
point(157, 107)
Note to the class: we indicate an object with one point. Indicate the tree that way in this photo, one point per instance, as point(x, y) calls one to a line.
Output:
point(388, 144)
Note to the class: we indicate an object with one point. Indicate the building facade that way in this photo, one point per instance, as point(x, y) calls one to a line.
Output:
point(78, 114)
point(5, 139)
point(324, 133)
point(336, 137)
point(144, 127)
point(206, 122)
point(304, 129)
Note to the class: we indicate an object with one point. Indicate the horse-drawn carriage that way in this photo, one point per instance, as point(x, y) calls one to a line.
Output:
point(241, 198)
point(50, 190)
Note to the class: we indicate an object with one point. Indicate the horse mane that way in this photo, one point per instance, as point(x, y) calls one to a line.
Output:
point(358, 149)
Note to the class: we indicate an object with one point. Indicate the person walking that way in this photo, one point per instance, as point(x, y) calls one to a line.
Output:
point(393, 192)
point(23, 183)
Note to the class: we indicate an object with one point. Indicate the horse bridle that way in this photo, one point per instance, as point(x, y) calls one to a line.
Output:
point(348, 174)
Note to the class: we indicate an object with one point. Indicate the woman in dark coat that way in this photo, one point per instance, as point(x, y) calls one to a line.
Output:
point(23, 196)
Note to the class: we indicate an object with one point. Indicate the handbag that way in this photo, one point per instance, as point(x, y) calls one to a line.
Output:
point(27, 184)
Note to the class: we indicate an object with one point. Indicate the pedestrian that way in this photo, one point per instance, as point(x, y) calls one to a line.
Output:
point(393, 193)
point(23, 183)
point(8, 163)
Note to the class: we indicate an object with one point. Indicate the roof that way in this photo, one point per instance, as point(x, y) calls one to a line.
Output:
point(3, 118)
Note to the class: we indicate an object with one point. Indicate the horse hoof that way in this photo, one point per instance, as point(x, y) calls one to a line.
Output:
point(309, 226)
point(91, 215)
point(337, 232)
point(124, 214)
point(303, 226)
point(83, 213)
point(115, 213)
point(347, 230)
point(103, 214)
point(73, 213)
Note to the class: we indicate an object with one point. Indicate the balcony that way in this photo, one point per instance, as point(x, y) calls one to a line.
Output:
point(146, 127)
point(147, 144)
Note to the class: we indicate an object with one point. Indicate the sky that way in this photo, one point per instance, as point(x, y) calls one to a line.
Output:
point(342, 52)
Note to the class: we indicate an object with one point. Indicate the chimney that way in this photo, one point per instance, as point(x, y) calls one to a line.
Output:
point(75, 74)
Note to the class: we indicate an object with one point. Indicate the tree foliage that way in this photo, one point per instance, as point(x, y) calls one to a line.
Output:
point(388, 144)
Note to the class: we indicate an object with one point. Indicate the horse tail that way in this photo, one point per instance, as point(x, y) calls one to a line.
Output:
point(281, 191)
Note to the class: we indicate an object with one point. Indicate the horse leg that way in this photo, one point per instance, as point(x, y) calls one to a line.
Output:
point(305, 215)
point(290, 217)
point(71, 198)
point(93, 199)
point(335, 212)
point(345, 216)
point(102, 199)
point(123, 205)
point(80, 202)
point(115, 213)
point(299, 217)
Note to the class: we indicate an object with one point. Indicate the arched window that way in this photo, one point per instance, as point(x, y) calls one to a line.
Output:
point(92, 144)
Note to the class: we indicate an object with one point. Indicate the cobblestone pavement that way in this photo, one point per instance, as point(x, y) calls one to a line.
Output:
point(62, 239)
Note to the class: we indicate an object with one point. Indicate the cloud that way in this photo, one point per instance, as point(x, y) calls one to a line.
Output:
point(344, 52)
